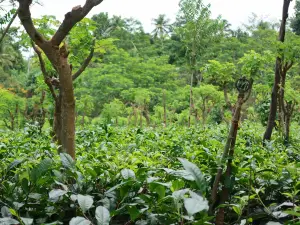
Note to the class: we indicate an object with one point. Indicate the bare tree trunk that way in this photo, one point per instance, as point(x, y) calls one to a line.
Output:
point(135, 116)
point(17, 115)
point(12, 120)
point(67, 103)
point(228, 156)
point(57, 121)
point(191, 102)
point(203, 113)
point(274, 96)
point(83, 117)
point(287, 123)
point(141, 118)
point(165, 108)
point(227, 101)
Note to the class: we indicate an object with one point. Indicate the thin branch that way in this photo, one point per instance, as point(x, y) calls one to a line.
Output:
point(71, 18)
point(26, 20)
point(47, 79)
point(8, 26)
point(289, 66)
point(85, 63)
point(249, 91)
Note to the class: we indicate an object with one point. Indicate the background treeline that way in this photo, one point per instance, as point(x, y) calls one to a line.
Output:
point(145, 79)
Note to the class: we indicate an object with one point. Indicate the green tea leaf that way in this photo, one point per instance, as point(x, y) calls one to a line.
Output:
point(127, 174)
point(195, 172)
point(67, 161)
point(102, 215)
point(85, 202)
point(79, 221)
point(54, 194)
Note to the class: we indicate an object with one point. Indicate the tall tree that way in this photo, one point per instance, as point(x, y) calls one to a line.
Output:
point(56, 51)
point(197, 31)
point(295, 21)
point(278, 69)
point(162, 26)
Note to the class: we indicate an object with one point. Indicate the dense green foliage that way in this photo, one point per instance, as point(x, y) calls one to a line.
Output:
point(135, 68)
point(141, 176)
point(153, 112)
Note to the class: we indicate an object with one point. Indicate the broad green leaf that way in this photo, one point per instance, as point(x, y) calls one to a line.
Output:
point(79, 221)
point(27, 221)
point(193, 205)
point(180, 173)
point(141, 222)
point(67, 161)
point(25, 185)
point(38, 171)
point(133, 212)
point(14, 164)
point(56, 193)
point(195, 172)
point(127, 174)
point(5, 211)
point(102, 215)
point(35, 196)
point(293, 213)
point(116, 187)
point(177, 185)
point(8, 221)
point(85, 202)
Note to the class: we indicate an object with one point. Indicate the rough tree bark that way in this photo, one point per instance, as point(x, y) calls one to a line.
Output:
point(165, 108)
point(274, 95)
point(58, 56)
point(285, 112)
point(191, 102)
point(228, 154)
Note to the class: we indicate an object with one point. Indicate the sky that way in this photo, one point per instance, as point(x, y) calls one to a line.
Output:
point(236, 12)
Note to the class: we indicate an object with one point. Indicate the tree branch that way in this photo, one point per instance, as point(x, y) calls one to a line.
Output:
point(26, 20)
point(289, 66)
point(71, 18)
point(85, 63)
point(249, 91)
point(47, 79)
point(8, 26)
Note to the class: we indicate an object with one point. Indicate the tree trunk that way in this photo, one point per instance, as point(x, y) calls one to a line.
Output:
point(57, 121)
point(67, 104)
point(227, 101)
point(226, 190)
point(58, 56)
point(274, 96)
point(135, 116)
point(165, 108)
point(191, 102)
point(287, 130)
point(203, 113)
point(12, 120)
point(141, 118)
point(227, 155)
point(287, 123)
point(17, 115)
point(83, 117)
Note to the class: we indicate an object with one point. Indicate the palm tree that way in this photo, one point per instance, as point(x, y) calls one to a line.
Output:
point(116, 24)
point(162, 26)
